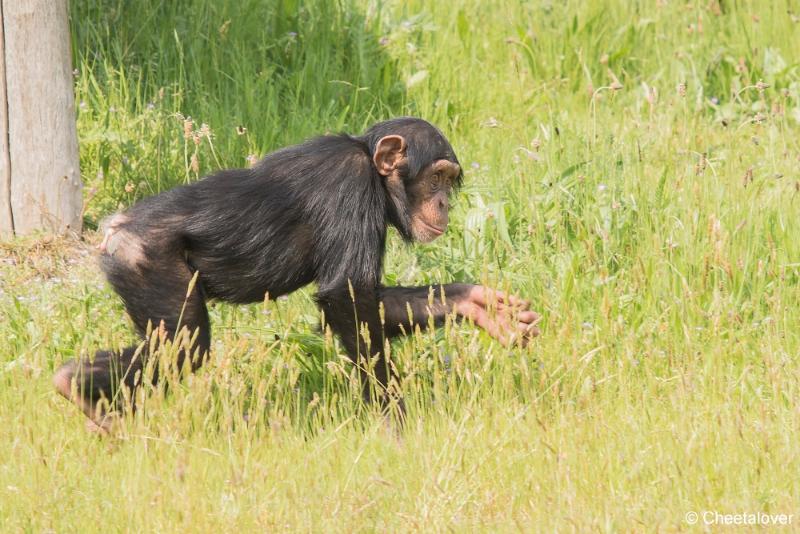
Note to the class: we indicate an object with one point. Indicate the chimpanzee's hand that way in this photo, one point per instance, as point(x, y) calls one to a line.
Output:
point(506, 318)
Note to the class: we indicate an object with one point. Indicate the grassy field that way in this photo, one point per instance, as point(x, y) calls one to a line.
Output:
point(631, 167)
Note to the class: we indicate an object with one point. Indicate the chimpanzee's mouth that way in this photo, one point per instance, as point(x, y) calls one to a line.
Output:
point(435, 229)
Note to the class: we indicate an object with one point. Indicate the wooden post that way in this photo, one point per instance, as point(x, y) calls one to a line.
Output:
point(40, 185)
point(6, 220)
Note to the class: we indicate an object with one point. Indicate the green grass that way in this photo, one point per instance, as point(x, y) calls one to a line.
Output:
point(656, 227)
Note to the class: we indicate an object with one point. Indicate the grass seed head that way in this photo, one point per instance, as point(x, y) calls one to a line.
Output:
point(188, 126)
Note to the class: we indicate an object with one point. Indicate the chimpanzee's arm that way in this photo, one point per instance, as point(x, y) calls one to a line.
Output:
point(405, 307)
point(504, 317)
point(347, 313)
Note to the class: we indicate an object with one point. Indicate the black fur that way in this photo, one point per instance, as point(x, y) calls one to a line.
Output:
point(317, 211)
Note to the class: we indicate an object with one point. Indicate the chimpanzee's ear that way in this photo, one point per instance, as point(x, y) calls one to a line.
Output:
point(389, 154)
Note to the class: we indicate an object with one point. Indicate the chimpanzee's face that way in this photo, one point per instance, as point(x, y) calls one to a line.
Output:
point(420, 203)
point(429, 199)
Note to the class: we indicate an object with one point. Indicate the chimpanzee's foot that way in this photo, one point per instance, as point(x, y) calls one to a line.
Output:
point(104, 425)
point(100, 421)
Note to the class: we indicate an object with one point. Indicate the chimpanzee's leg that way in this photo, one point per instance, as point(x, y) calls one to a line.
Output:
point(153, 280)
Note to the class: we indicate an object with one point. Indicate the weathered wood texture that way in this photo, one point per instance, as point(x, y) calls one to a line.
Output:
point(39, 169)
point(6, 223)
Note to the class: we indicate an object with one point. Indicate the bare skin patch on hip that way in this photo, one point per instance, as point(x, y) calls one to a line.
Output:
point(120, 243)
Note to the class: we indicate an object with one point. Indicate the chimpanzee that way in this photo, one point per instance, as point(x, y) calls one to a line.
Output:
point(314, 212)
